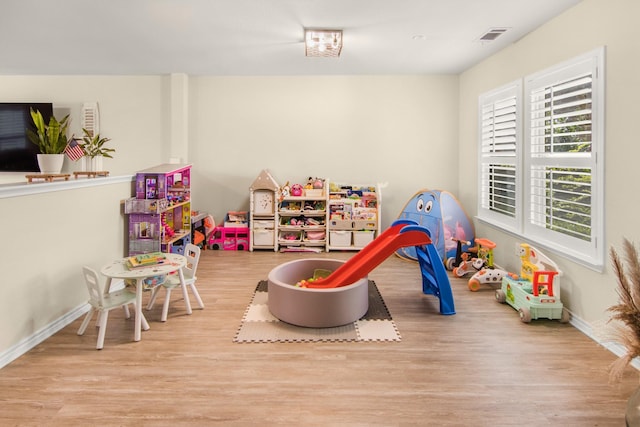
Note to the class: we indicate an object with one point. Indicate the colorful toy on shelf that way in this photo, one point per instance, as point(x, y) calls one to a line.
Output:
point(535, 294)
point(314, 184)
point(285, 191)
point(296, 190)
point(168, 231)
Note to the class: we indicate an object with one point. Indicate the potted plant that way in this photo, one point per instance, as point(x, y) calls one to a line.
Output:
point(51, 140)
point(94, 149)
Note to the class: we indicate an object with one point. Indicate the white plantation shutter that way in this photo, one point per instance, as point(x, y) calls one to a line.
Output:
point(564, 180)
point(547, 186)
point(90, 119)
point(500, 137)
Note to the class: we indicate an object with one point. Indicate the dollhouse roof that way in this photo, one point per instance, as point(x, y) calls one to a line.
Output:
point(265, 181)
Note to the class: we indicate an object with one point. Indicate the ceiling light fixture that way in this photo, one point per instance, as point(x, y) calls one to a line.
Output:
point(322, 43)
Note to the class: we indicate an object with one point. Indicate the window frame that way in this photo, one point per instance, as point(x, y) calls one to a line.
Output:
point(499, 95)
point(589, 253)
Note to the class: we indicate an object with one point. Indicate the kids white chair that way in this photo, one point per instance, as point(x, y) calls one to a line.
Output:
point(192, 253)
point(103, 303)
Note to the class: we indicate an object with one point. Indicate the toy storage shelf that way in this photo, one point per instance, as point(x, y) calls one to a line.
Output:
point(176, 237)
point(160, 214)
point(336, 217)
point(303, 221)
point(353, 216)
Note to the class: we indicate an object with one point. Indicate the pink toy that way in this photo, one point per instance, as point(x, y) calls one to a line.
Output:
point(296, 190)
point(168, 231)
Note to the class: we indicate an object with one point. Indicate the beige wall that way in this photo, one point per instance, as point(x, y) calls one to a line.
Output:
point(48, 238)
point(400, 130)
point(590, 24)
point(133, 113)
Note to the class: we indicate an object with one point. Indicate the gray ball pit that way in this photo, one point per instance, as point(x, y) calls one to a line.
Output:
point(315, 308)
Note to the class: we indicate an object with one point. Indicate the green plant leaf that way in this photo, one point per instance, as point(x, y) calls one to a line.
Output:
point(50, 138)
point(94, 145)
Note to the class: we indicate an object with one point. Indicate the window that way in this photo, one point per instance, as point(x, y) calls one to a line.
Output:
point(500, 139)
point(548, 185)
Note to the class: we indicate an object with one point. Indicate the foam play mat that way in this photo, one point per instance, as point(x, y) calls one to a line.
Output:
point(260, 326)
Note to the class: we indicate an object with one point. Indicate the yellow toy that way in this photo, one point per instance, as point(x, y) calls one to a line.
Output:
point(529, 258)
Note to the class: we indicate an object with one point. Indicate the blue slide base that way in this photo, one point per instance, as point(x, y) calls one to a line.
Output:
point(435, 280)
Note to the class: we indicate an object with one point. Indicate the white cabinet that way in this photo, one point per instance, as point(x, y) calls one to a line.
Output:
point(264, 202)
point(263, 213)
point(353, 216)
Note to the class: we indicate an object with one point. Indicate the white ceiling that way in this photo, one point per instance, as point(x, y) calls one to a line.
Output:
point(257, 37)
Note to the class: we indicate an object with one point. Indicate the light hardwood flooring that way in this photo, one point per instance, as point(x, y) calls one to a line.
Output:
point(479, 367)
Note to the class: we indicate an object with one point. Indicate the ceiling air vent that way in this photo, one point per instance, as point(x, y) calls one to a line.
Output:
point(492, 34)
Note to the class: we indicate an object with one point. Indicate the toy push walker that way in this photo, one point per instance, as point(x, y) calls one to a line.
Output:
point(482, 266)
point(532, 293)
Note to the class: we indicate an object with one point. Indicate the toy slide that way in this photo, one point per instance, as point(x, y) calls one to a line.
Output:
point(400, 234)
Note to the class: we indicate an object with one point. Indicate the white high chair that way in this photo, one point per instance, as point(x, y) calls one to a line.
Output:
point(192, 253)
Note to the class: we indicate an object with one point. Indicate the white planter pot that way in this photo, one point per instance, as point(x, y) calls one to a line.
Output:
point(96, 164)
point(50, 163)
point(92, 164)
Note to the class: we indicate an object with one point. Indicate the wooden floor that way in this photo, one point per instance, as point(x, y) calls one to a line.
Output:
point(481, 366)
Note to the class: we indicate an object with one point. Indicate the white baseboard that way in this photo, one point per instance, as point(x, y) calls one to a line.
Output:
point(28, 343)
point(17, 350)
point(614, 347)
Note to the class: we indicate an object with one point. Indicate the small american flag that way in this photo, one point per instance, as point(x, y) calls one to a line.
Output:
point(73, 150)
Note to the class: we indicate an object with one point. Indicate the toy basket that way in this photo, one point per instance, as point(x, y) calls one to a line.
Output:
point(315, 235)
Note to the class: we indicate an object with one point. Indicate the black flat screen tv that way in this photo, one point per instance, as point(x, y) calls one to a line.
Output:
point(17, 152)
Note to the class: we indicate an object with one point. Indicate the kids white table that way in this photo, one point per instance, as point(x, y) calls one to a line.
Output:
point(119, 270)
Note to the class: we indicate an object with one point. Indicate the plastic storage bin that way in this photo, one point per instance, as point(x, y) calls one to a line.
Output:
point(314, 235)
point(362, 238)
point(341, 224)
point(263, 223)
point(263, 237)
point(362, 224)
point(340, 238)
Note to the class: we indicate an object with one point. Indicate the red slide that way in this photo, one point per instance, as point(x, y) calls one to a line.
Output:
point(374, 253)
